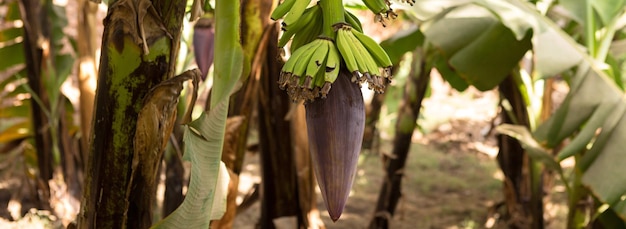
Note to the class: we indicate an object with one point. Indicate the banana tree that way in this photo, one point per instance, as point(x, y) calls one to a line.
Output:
point(466, 52)
point(326, 61)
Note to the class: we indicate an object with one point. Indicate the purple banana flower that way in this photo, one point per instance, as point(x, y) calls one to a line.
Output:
point(203, 37)
point(335, 129)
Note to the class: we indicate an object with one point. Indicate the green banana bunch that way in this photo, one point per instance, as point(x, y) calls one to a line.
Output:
point(363, 57)
point(382, 10)
point(310, 70)
point(328, 46)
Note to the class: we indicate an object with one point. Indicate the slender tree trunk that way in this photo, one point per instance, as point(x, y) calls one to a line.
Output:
point(523, 197)
point(135, 58)
point(279, 189)
point(372, 114)
point(390, 192)
point(36, 29)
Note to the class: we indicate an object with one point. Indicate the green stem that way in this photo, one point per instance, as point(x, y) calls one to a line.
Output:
point(590, 29)
point(333, 13)
point(576, 214)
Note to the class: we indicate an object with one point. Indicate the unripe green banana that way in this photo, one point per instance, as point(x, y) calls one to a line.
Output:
point(318, 58)
point(287, 73)
point(377, 6)
point(296, 11)
point(353, 20)
point(294, 61)
point(304, 23)
point(309, 33)
point(369, 65)
point(379, 54)
point(360, 58)
point(333, 64)
point(303, 61)
point(343, 45)
point(371, 74)
point(282, 9)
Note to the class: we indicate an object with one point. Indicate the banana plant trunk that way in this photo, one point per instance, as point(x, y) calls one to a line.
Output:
point(522, 185)
point(372, 114)
point(391, 189)
point(139, 48)
point(279, 188)
point(34, 15)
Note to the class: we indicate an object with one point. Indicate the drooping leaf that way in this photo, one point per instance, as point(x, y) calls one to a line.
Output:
point(458, 28)
point(428, 9)
point(606, 10)
point(576, 9)
point(58, 21)
point(449, 74)
point(485, 63)
point(16, 54)
point(478, 46)
point(510, 15)
point(10, 34)
point(402, 42)
point(204, 137)
point(21, 110)
point(553, 54)
point(610, 219)
point(203, 143)
point(583, 99)
point(532, 147)
point(19, 130)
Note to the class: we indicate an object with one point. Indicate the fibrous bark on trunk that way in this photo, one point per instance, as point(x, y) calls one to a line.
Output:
point(524, 205)
point(139, 48)
point(390, 191)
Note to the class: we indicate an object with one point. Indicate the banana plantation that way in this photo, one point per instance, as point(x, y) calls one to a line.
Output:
point(312, 114)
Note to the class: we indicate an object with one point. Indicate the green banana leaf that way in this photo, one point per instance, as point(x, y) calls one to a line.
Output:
point(208, 186)
point(480, 48)
point(10, 37)
point(483, 40)
point(605, 9)
point(19, 130)
point(204, 137)
point(401, 43)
